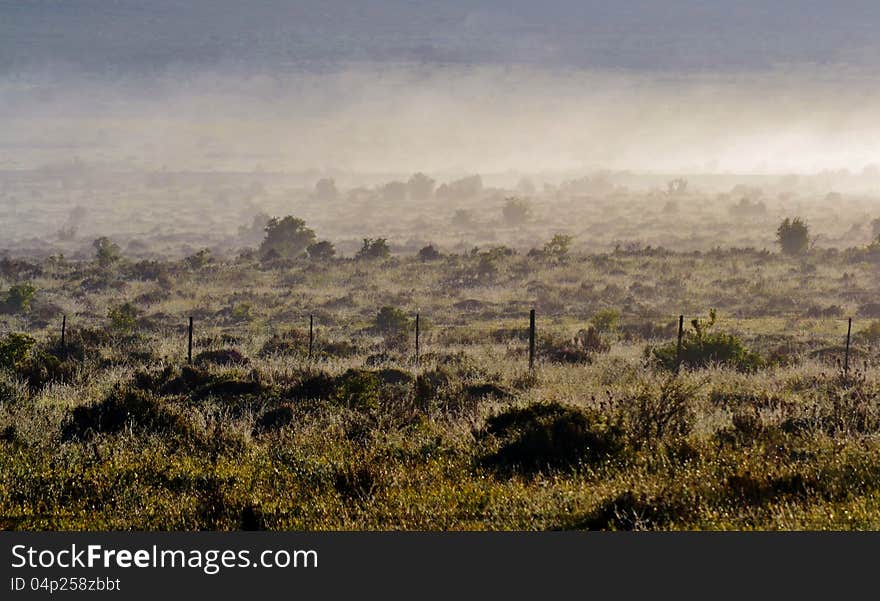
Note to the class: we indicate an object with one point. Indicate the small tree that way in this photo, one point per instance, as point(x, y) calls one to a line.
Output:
point(793, 236)
point(287, 238)
point(557, 248)
point(516, 211)
point(374, 249)
point(106, 251)
point(322, 250)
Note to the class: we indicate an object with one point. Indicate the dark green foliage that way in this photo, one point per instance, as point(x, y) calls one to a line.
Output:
point(42, 367)
point(274, 419)
point(793, 236)
point(123, 318)
point(374, 248)
point(197, 383)
point(135, 409)
point(19, 298)
point(701, 347)
point(319, 385)
point(286, 238)
point(549, 437)
point(14, 349)
point(321, 251)
point(429, 253)
point(358, 389)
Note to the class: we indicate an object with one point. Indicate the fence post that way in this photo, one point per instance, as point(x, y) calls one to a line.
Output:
point(63, 332)
point(678, 346)
point(532, 339)
point(189, 352)
point(417, 339)
point(846, 356)
point(311, 335)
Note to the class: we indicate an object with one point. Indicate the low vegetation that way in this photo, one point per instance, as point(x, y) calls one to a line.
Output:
point(757, 421)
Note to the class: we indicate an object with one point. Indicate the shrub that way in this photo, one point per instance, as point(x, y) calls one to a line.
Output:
point(19, 298)
point(286, 238)
point(358, 389)
point(605, 320)
point(374, 249)
point(121, 409)
point(241, 312)
point(549, 436)
point(199, 259)
point(321, 251)
point(106, 251)
point(657, 415)
point(123, 318)
point(15, 348)
point(793, 236)
point(557, 248)
point(429, 253)
point(391, 320)
point(700, 348)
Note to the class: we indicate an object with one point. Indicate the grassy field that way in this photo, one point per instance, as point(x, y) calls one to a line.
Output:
point(761, 428)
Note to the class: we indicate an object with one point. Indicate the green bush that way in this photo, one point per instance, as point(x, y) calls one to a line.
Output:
point(19, 298)
point(286, 238)
point(123, 318)
point(700, 348)
point(14, 349)
point(793, 236)
point(106, 251)
point(374, 249)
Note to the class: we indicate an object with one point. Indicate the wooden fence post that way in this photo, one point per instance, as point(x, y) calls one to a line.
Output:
point(63, 332)
point(189, 352)
point(678, 346)
point(417, 339)
point(846, 356)
point(311, 335)
point(532, 339)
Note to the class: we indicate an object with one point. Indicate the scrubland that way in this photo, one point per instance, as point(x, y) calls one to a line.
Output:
point(759, 422)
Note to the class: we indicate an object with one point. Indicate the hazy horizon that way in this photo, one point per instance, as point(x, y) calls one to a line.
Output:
point(455, 87)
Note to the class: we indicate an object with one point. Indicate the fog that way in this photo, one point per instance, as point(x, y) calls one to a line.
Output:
point(170, 126)
point(381, 118)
